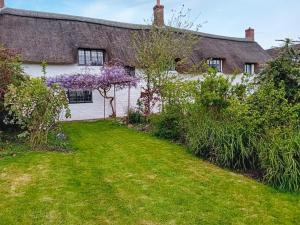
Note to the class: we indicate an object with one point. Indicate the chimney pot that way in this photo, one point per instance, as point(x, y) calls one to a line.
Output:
point(158, 11)
point(250, 34)
point(2, 4)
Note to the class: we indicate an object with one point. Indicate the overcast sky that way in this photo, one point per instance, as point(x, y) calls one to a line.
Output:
point(272, 19)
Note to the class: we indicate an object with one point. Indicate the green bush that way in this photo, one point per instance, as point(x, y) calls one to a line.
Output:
point(248, 127)
point(279, 156)
point(36, 108)
point(226, 143)
point(168, 125)
point(136, 117)
point(214, 92)
point(11, 72)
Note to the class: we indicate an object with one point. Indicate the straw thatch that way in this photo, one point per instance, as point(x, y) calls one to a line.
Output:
point(56, 38)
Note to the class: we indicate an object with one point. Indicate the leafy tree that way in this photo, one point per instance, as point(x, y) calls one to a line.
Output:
point(159, 51)
point(11, 72)
point(285, 68)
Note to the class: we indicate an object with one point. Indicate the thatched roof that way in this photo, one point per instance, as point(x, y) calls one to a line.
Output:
point(56, 38)
point(274, 52)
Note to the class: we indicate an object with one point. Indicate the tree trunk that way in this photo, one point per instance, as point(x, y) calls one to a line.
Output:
point(128, 108)
point(111, 99)
point(115, 100)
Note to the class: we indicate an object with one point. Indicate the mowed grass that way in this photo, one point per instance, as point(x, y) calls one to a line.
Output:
point(118, 176)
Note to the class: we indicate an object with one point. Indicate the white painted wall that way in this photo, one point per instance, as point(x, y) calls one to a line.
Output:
point(88, 111)
point(95, 110)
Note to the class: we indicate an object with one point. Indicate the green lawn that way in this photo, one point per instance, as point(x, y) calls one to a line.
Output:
point(119, 176)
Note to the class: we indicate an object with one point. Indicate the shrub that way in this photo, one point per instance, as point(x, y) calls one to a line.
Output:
point(169, 124)
point(225, 142)
point(214, 92)
point(285, 68)
point(10, 73)
point(247, 127)
point(36, 108)
point(279, 155)
point(135, 116)
point(268, 107)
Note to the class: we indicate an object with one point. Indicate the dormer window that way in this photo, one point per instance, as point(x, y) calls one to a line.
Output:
point(90, 57)
point(249, 68)
point(216, 64)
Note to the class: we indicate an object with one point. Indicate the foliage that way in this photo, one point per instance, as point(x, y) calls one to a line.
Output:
point(214, 92)
point(58, 140)
point(270, 108)
point(160, 50)
point(239, 126)
point(225, 142)
point(135, 116)
point(10, 73)
point(10, 70)
point(169, 124)
point(11, 149)
point(44, 65)
point(112, 76)
point(285, 68)
point(279, 154)
point(181, 93)
point(36, 108)
point(179, 97)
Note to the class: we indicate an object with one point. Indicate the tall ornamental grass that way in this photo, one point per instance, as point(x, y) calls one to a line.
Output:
point(279, 156)
point(226, 143)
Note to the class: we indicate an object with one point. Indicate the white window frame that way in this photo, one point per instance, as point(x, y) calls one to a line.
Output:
point(252, 68)
point(88, 55)
point(210, 63)
point(87, 96)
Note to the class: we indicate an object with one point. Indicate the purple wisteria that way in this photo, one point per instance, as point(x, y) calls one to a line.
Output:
point(109, 77)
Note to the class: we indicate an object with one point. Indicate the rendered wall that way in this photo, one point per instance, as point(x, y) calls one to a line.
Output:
point(88, 111)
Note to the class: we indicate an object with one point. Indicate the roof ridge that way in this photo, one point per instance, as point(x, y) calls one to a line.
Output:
point(59, 16)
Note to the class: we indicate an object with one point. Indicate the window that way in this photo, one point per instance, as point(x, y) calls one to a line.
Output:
point(130, 71)
point(249, 68)
point(89, 57)
point(80, 96)
point(216, 63)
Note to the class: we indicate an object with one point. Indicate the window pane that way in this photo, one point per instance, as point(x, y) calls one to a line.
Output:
point(94, 58)
point(81, 58)
point(249, 68)
point(88, 57)
point(80, 96)
point(216, 63)
point(100, 58)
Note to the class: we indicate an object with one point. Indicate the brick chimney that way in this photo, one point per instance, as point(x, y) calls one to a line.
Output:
point(2, 4)
point(158, 14)
point(250, 34)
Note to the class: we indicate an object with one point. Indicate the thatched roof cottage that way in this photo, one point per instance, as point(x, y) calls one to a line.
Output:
point(72, 43)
